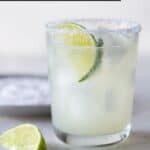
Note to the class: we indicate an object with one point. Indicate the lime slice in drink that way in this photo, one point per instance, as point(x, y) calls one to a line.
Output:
point(23, 137)
point(79, 47)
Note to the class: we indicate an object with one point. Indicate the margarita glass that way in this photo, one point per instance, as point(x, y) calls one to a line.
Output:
point(91, 73)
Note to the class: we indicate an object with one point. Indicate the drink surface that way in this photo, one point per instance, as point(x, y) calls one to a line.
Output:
point(102, 103)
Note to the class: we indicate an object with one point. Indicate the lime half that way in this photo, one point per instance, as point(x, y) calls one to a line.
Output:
point(79, 47)
point(23, 137)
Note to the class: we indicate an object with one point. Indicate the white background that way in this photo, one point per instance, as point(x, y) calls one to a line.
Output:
point(22, 27)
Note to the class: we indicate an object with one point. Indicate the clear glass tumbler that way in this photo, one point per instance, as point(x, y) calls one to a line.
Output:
point(91, 73)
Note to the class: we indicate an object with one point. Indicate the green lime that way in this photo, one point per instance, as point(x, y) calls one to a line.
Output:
point(70, 26)
point(80, 48)
point(23, 137)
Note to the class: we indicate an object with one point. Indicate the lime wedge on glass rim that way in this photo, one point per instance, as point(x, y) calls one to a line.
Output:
point(80, 48)
point(23, 137)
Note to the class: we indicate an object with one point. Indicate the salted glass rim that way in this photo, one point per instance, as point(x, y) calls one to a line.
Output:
point(103, 25)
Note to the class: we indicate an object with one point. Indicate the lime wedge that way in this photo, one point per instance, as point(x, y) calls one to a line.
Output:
point(70, 26)
point(79, 48)
point(23, 137)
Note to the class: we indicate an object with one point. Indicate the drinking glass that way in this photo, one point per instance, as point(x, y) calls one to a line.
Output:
point(91, 74)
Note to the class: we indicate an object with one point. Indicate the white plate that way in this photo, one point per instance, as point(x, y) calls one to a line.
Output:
point(25, 110)
point(24, 95)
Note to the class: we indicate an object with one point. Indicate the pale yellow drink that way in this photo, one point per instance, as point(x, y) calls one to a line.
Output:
point(101, 104)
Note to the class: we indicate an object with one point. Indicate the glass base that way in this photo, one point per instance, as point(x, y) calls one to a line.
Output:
point(93, 141)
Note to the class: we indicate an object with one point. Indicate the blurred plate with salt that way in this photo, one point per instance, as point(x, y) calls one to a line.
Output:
point(24, 94)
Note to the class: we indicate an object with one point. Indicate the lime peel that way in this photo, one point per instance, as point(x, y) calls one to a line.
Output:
point(93, 68)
